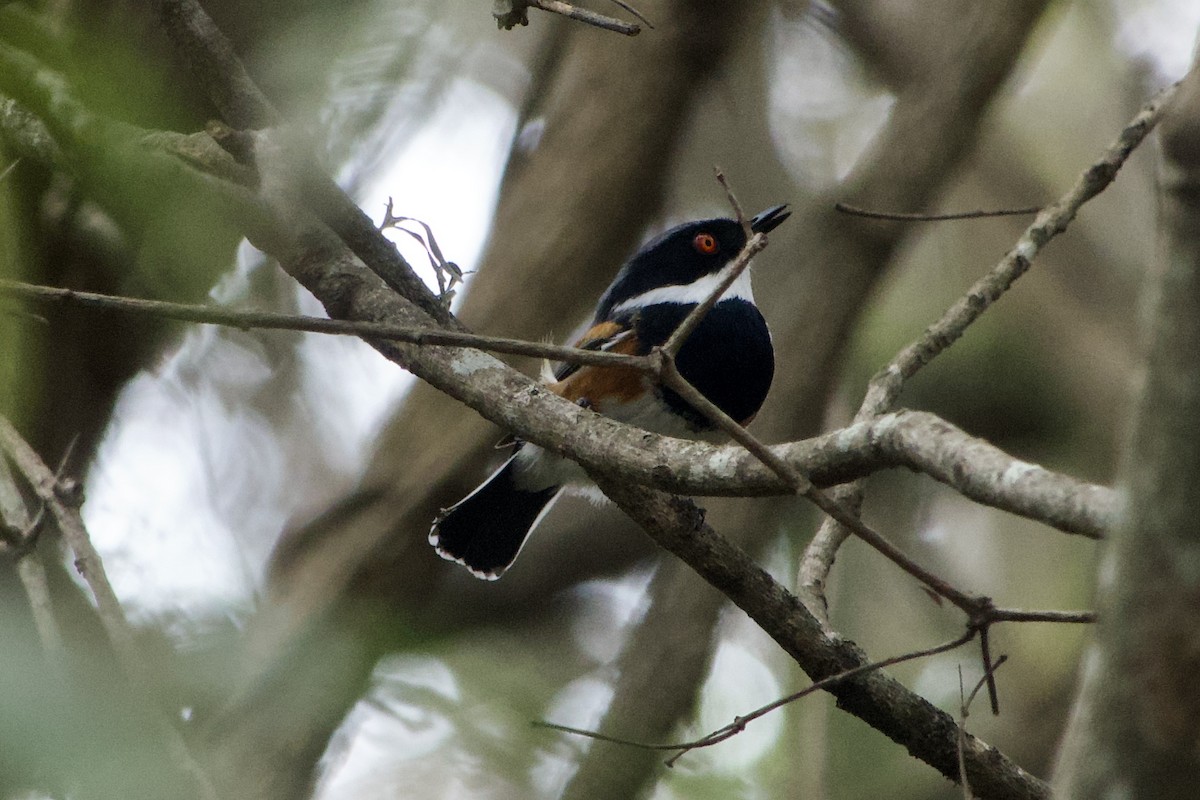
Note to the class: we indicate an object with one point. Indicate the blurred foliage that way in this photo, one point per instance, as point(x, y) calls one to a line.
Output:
point(17, 378)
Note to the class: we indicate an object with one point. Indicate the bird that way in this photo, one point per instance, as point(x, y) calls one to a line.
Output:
point(729, 358)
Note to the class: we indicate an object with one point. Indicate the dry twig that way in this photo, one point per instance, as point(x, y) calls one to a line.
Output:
point(21, 530)
point(267, 320)
point(740, 723)
point(510, 13)
point(898, 216)
point(916, 440)
point(987, 679)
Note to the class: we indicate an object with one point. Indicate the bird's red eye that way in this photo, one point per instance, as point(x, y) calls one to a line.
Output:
point(705, 243)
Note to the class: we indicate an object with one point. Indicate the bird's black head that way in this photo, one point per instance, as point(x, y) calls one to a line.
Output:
point(683, 255)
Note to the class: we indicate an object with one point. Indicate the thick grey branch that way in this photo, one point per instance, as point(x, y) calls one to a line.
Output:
point(212, 58)
point(919, 441)
point(907, 718)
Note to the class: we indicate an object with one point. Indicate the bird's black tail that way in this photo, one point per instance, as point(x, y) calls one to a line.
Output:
point(486, 529)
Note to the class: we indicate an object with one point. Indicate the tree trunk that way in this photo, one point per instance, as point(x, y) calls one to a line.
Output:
point(1136, 720)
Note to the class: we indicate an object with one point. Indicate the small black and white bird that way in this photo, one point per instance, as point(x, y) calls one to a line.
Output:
point(728, 358)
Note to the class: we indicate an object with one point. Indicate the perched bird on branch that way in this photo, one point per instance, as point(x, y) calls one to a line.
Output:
point(728, 357)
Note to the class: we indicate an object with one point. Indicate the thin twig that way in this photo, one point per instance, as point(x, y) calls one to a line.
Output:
point(738, 212)
point(897, 441)
point(964, 705)
point(588, 17)
point(983, 680)
point(801, 484)
point(24, 528)
point(1050, 222)
point(246, 320)
point(1067, 617)
point(989, 667)
point(898, 216)
point(755, 242)
point(739, 724)
point(735, 268)
point(663, 359)
point(633, 11)
point(960, 745)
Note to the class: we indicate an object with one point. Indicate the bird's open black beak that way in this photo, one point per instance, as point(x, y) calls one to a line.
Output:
point(769, 220)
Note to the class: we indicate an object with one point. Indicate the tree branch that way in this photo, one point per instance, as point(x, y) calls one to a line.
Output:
point(898, 216)
point(885, 387)
point(510, 13)
point(908, 719)
point(21, 531)
point(919, 441)
point(739, 724)
point(269, 320)
point(212, 58)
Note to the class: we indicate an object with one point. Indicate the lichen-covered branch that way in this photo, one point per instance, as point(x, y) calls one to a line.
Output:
point(919, 441)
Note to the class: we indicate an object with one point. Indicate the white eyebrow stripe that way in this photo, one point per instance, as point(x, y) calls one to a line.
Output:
point(690, 293)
